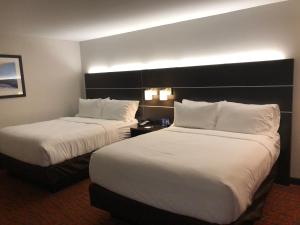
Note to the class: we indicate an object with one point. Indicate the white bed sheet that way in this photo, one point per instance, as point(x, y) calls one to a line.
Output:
point(204, 174)
point(51, 142)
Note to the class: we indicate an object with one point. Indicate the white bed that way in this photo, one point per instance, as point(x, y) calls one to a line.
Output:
point(51, 142)
point(192, 172)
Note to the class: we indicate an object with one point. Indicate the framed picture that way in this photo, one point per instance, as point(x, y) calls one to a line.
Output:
point(12, 82)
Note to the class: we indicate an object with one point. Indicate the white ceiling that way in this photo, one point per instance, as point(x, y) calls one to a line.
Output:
point(80, 20)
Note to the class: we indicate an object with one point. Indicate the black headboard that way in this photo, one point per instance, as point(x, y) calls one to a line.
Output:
point(253, 82)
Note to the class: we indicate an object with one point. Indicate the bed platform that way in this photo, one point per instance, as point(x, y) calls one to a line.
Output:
point(56, 153)
point(253, 83)
point(54, 177)
point(1, 163)
point(135, 212)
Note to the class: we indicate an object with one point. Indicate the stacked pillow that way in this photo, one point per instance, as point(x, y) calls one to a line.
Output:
point(228, 116)
point(195, 115)
point(89, 108)
point(119, 110)
point(124, 110)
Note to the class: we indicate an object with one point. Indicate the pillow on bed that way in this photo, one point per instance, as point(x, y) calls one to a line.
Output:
point(248, 118)
point(195, 116)
point(124, 110)
point(186, 101)
point(89, 108)
point(133, 109)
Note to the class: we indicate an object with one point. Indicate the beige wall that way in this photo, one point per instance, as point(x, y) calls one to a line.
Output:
point(53, 79)
point(273, 27)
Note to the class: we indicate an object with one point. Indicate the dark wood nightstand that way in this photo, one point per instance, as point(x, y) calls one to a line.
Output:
point(144, 129)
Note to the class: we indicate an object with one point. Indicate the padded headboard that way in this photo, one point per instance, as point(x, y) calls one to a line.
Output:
point(253, 82)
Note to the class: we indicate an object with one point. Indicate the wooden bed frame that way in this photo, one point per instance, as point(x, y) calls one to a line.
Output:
point(254, 82)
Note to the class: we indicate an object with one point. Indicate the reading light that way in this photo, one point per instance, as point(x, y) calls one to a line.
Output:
point(164, 93)
point(149, 93)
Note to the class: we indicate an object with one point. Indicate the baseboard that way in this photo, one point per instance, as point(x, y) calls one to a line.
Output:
point(295, 181)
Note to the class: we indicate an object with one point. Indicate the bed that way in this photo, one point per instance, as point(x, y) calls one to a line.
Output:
point(207, 166)
point(56, 153)
point(150, 179)
point(213, 170)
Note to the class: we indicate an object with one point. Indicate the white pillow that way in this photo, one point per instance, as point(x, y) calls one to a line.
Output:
point(202, 103)
point(124, 110)
point(89, 108)
point(134, 105)
point(195, 116)
point(249, 118)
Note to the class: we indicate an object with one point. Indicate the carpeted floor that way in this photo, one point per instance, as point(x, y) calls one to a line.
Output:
point(24, 204)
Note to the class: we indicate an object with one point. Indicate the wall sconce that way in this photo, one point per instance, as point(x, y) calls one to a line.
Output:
point(164, 94)
point(149, 93)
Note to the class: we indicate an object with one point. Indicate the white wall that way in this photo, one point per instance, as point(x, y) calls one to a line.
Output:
point(269, 28)
point(53, 79)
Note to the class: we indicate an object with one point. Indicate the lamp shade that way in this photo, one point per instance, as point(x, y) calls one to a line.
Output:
point(149, 93)
point(164, 93)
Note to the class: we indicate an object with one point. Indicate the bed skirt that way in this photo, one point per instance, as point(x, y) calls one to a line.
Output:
point(54, 177)
point(135, 212)
point(1, 158)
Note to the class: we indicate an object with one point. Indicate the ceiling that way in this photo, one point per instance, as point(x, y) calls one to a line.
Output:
point(81, 20)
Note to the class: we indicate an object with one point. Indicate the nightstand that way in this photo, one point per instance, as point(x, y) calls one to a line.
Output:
point(144, 129)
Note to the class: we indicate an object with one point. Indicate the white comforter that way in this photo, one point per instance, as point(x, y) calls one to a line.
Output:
point(51, 142)
point(204, 174)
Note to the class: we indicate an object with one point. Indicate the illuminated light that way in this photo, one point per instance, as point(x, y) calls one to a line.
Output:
point(164, 93)
point(117, 68)
point(99, 69)
point(128, 66)
point(250, 56)
point(165, 63)
point(149, 93)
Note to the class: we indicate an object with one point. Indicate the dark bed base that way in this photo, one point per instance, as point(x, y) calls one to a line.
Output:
point(1, 164)
point(54, 177)
point(135, 212)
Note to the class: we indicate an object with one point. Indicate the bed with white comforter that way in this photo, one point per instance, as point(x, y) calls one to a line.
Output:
point(191, 172)
point(51, 142)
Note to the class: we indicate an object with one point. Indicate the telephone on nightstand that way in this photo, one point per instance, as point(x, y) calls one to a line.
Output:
point(164, 122)
point(143, 123)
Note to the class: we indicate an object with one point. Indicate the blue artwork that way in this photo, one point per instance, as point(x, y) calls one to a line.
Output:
point(8, 75)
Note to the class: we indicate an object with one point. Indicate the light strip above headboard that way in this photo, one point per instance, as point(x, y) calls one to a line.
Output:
point(226, 58)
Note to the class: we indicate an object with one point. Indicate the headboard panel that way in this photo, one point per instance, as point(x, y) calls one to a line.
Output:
point(238, 74)
point(116, 93)
point(253, 82)
point(128, 79)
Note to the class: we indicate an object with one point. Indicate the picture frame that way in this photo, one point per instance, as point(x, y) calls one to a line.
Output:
point(12, 83)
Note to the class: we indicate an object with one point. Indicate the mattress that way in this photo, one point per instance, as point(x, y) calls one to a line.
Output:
point(51, 142)
point(204, 174)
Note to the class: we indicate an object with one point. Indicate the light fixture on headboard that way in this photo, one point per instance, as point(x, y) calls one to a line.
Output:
point(165, 93)
point(149, 93)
